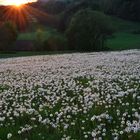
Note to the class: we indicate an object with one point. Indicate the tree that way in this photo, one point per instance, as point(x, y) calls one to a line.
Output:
point(55, 7)
point(88, 30)
point(8, 35)
point(127, 9)
point(73, 7)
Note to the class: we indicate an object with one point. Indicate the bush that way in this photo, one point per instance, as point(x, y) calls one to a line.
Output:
point(88, 30)
point(51, 40)
point(55, 43)
point(136, 32)
point(126, 9)
point(39, 39)
point(8, 35)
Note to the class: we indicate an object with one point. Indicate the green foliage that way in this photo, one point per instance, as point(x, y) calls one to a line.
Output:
point(72, 8)
point(55, 7)
point(50, 40)
point(8, 33)
point(40, 35)
point(127, 9)
point(88, 30)
point(55, 43)
point(39, 39)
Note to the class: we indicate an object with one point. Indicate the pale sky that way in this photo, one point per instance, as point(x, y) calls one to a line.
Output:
point(11, 2)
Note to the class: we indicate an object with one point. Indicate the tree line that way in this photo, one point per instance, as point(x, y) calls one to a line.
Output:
point(127, 9)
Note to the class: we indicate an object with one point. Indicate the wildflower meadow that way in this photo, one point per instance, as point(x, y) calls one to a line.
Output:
point(78, 96)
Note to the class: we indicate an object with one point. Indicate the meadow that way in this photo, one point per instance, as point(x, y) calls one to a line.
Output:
point(127, 35)
point(77, 96)
point(124, 41)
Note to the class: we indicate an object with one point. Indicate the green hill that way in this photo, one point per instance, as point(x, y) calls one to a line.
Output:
point(127, 35)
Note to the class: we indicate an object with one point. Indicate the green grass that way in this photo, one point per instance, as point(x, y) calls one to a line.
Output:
point(30, 53)
point(124, 38)
point(122, 41)
point(27, 36)
point(19, 54)
point(45, 33)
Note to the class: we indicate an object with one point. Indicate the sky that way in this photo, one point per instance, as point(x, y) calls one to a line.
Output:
point(12, 2)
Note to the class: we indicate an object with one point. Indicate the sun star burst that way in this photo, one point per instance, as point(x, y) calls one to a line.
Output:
point(17, 2)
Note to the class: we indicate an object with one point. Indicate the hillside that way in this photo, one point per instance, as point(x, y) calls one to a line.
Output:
point(126, 36)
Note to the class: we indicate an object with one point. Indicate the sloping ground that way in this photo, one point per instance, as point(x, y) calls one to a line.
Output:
point(127, 35)
point(125, 25)
point(124, 41)
point(71, 96)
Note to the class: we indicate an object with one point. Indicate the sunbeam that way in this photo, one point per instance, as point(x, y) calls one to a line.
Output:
point(22, 15)
point(18, 15)
point(42, 16)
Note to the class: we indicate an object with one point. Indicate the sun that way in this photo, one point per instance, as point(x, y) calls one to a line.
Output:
point(17, 2)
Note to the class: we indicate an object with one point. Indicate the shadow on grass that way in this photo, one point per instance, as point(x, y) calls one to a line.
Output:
point(30, 53)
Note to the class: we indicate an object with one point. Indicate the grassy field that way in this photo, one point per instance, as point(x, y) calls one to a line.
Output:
point(127, 35)
point(80, 96)
point(124, 40)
